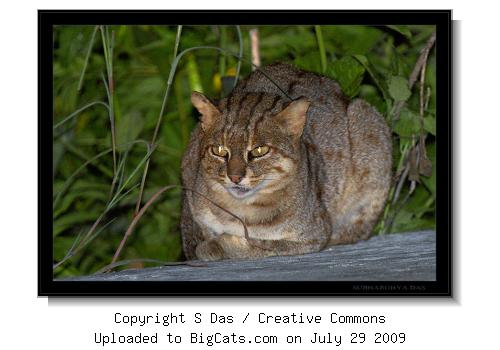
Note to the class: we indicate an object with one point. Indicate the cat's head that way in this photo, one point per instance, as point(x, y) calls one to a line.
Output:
point(250, 143)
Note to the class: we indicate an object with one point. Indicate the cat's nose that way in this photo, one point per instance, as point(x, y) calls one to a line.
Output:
point(236, 178)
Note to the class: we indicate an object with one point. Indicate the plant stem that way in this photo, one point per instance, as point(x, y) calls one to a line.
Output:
point(87, 56)
point(111, 122)
point(222, 44)
point(240, 56)
point(254, 51)
point(173, 67)
point(414, 74)
point(321, 46)
point(108, 57)
point(135, 220)
point(177, 41)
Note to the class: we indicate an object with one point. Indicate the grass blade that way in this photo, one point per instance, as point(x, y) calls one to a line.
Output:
point(321, 46)
point(78, 111)
point(240, 56)
point(87, 56)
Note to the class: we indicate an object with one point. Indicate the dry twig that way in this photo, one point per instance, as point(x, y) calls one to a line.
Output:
point(421, 61)
point(254, 40)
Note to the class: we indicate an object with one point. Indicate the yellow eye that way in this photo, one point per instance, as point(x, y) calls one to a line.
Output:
point(259, 151)
point(219, 151)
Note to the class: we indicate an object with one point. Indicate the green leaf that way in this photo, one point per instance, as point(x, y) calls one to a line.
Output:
point(309, 62)
point(349, 74)
point(398, 88)
point(364, 61)
point(408, 123)
point(430, 124)
point(419, 203)
point(353, 39)
point(407, 222)
point(404, 30)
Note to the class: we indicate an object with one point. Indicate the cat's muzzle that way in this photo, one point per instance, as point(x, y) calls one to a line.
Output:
point(240, 191)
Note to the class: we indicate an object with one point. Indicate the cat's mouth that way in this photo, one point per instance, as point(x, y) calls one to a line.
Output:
point(240, 191)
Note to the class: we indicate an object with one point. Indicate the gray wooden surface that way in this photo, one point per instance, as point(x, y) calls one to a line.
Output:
point(394, 257)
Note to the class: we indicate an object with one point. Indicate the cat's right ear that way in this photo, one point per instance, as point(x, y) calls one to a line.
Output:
point(209, 112)
point(293, 117)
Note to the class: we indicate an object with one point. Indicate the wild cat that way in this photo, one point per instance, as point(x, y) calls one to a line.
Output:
point(291, 157)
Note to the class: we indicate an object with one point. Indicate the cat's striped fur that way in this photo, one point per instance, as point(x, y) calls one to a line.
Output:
point(323, 180)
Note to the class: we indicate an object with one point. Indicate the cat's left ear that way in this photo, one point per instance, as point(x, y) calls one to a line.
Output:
point(208, 111)
point(293, 117)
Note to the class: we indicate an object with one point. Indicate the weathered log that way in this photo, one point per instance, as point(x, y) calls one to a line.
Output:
point(392, 257)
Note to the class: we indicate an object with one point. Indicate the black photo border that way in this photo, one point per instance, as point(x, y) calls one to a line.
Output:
point(442, 19)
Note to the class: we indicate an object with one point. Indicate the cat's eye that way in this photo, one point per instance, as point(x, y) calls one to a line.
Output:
point(259, 151)
point(219, 151)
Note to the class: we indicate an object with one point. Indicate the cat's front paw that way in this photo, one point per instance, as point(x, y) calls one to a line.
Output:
point(209, 251)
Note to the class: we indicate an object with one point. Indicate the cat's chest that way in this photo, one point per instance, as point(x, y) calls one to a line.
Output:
point(215, 225)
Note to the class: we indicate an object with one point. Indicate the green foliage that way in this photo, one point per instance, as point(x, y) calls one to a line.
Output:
point(349, 74)
point(408, 123)
point(404, 30)
point(398, 88)
point(110, 85)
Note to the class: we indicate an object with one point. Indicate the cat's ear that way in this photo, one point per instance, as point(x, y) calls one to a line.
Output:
point(293, 117)
point(209, 112)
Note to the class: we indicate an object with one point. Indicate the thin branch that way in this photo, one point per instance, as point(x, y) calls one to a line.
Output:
point(421, 60)
point(401, 181)
point(254, 40)
point(416, 70)
point(423, 163)
point(400, 206)
point(135, 220)
point(422, 100)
